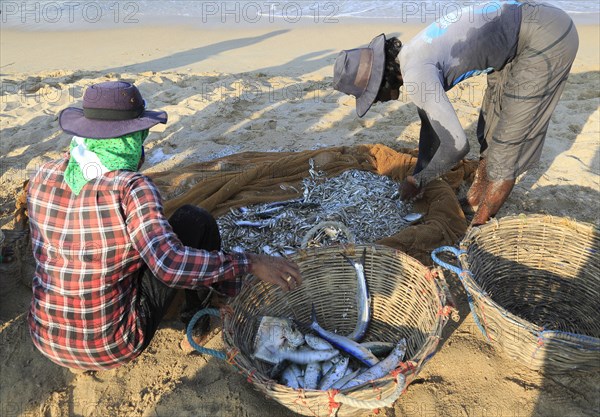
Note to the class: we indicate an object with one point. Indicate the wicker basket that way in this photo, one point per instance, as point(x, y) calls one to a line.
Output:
point(533, 284)
point(408, 300)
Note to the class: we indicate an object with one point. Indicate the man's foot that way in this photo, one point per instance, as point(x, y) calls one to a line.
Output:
point(201, 334)
point(480, 183)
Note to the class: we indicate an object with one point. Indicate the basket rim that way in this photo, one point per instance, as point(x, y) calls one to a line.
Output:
point(530, 219)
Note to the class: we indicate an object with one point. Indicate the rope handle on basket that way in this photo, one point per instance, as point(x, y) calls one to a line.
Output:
point(456, 252)
point(461, 274)
point(450, 307)
point(205, 351)
point(373, 404)
point(584, 342)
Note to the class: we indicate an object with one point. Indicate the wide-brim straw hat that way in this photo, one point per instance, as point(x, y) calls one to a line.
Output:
point(110, 109)
point(359, 72)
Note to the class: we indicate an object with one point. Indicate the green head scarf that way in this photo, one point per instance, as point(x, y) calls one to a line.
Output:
point(92, 158)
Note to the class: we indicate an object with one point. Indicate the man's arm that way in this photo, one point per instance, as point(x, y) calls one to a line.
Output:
point(169, 260)
point(426, 91)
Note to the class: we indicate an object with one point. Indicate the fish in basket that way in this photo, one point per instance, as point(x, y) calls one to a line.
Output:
point(311, 362)
point(532, 283)
point(297, 347)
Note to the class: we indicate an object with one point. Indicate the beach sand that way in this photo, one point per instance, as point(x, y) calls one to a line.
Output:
point(267, 88)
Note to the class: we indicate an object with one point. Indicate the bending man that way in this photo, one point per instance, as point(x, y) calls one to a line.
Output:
point(526, 49)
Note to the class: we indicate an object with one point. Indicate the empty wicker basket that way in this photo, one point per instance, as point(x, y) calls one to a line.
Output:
point(408, 300)
point(533, 284)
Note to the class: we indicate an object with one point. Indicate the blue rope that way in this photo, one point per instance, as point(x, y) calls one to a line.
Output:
point(190, 328)
point(595, 342)
point(458, 271)
point(453, 250)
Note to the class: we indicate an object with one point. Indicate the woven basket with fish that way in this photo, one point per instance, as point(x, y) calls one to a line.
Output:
point(533, 283)
point(409, 306)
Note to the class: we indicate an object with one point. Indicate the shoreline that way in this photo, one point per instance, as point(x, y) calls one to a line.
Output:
point(294, 49)
point(289, 49)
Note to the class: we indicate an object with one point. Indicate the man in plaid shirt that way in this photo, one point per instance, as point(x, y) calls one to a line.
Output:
point(108, 261)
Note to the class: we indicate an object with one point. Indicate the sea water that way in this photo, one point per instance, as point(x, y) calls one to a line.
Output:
point(75, 14)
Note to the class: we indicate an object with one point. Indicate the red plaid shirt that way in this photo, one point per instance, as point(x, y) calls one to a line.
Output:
point(89, 250)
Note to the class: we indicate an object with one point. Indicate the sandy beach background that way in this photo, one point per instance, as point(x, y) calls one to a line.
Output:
point(267, 87)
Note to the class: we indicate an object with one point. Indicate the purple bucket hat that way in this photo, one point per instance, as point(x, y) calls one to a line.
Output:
point(110, 109)
point(359, 72)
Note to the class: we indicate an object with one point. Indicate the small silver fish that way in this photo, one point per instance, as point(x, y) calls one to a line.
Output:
point(382, 368)
point(349, 376)
point(305, 356)
point(327, 365)
point(258, 224)
point(379, 348)
point(363, 301)
point(358, 199)
point(297, 370)
point(268, 212)
point(312, 375)
point(288, 378)
point(278, 204)
point(334, 374)
point(316, 342)
point(413, 217)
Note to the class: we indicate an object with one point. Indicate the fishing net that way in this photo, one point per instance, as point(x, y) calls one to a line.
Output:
point(252, 178)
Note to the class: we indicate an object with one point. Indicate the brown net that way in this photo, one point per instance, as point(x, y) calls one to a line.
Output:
point(258, 177)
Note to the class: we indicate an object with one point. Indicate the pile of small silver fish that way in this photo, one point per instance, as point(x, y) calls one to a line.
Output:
point(354, 207)
point(323, 360)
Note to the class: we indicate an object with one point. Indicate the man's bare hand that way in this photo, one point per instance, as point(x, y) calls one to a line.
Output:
point(275, 270)
point(496, 193)
point(409, 189)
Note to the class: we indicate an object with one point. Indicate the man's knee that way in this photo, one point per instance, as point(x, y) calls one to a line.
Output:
point(196, 227)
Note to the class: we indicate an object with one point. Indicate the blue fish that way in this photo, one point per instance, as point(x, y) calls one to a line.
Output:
point(387, 365)
point(344, 343)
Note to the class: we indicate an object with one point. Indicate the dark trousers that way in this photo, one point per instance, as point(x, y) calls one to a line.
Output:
point(196, 228)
